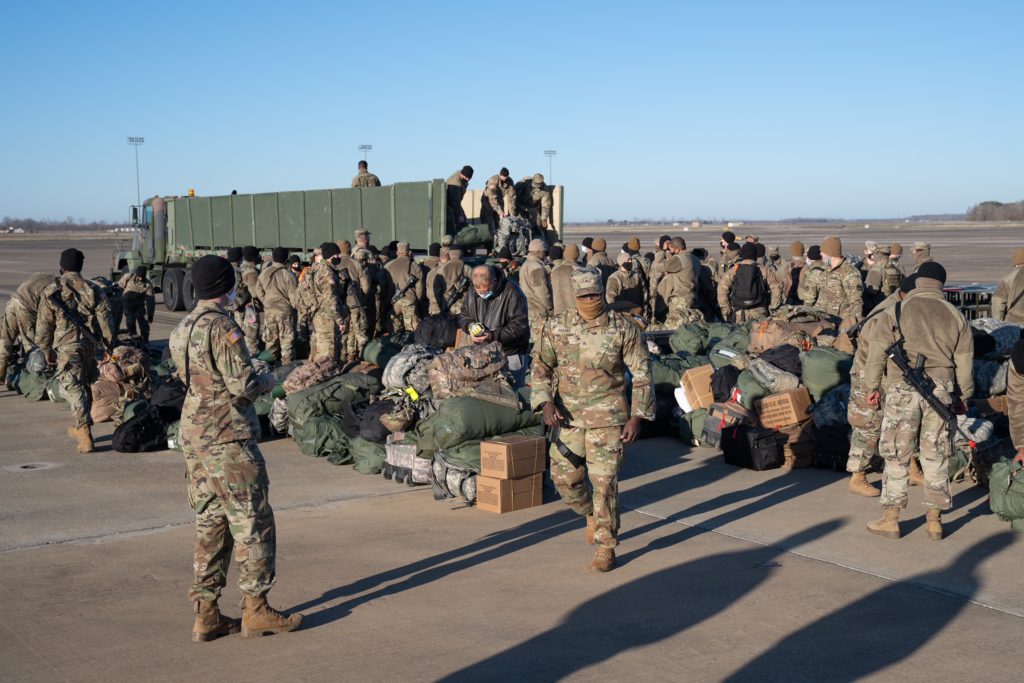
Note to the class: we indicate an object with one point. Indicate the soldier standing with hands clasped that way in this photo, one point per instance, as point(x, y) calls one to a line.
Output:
point(227, 477)
point(588, 348)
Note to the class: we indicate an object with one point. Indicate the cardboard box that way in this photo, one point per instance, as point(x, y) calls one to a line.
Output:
point(508, 495)
point(989, 406)
point(513, 457)
point(696, 383)
point(785, 409)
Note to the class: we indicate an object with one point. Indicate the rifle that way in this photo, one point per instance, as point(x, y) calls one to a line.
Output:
point(401, 293)
point(346, 280)
point(79, 323)
point(457, 291)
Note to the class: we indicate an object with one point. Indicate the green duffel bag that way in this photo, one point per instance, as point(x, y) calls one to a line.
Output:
point(732, 350)
point(464, 418)
point(263, 404)
point(329, 398)
point(823, 369)
point(689, 337)
point(32, 385)
point(718, 331)
point(1006, 490)
point(53, 391)
point(380, 351)
point(323, 436)
point(134, 408)
point(367, 457)
point(691, 425)
point(750, 389)
point(467, 455)
point(666, 371)
point(474, 234)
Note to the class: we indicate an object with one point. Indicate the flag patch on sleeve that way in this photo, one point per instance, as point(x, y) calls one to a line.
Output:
point(235, 336)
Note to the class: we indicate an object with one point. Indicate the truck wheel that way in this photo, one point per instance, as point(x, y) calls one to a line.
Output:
point(188, 292)
point(172, 288)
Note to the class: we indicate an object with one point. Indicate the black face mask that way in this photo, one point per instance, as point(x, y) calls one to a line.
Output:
point(335, 260)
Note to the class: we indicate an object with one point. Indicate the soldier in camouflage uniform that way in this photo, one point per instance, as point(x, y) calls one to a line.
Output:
point(452, 282)
point(536, 285)
point(364, 178)
point(64, 345)
point(115, 301)
point(579, 382)
point(675, 300)
point(811, 277)
point(139, 302)
point(276, 288)
point(1008, 299)
point(251, 311)
point(499, 200)
point(625, 287)
point(922, 253)
point(404, 275)
point(355, 285)
point(319, 299)
point(227, 477)
point(18, 325)
point(533, 195)
point(840, 292)
point(455, 190)
point(881, 279)
point(773, 293)
point(934, 329)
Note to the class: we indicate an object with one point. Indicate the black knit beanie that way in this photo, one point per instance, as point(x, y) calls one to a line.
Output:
point(71, 260)
point(434, 249)
point(933, 271)
point(235, 254)
point(212, 277)
point(748, 251)
point(251, 254)
point(329, 250)
point(555, 253)
point(908, 283)
point(279, 255)
point(814, 253)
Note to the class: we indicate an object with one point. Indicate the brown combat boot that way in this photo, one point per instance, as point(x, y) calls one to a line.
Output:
point(260, 619)
point(888, 525)
point(83, 438)
point(933, 524)
point(210, 623)
point(916, 475)
point(859, 485)
point(590, 529)
point(604, 560)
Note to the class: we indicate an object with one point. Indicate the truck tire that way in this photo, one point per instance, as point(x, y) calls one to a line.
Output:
point(173, 290)
point(188, 292)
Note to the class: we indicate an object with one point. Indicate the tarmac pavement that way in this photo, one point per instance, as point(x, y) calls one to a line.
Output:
point(724, 574)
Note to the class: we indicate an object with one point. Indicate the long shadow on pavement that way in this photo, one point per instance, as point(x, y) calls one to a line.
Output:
point(876, 631)
point(644, 611)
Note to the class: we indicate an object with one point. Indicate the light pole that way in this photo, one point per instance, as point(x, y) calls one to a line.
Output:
point(364, 149)
point(549, 153)
point(135, 142)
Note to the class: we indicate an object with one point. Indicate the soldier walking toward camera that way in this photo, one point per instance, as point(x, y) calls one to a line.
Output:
point(227, 477)
point(276, 288)
point(67, 346)
point(139, 302)
point(364, 178)
point(407, 282)
point(579, 383)
point(1008, 300)
point(18, 325)
point(935, 334)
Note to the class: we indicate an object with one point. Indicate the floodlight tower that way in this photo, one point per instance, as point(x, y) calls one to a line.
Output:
point(365, 149)
point(135, 142)
point(549, 153)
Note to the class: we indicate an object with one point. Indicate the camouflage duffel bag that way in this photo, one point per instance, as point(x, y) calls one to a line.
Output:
point(465, 366)
point(450, 480)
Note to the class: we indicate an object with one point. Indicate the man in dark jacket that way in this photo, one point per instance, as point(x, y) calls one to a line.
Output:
point(500, 307)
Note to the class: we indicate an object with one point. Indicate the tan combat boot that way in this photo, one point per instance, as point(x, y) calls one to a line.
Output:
point(83, 438)
point(916, 475)
point(934, 524)
point(889, 524)
point(259, 618)
point(591, 524)
point(604, 560)
point(210, 623)
point(859, 485)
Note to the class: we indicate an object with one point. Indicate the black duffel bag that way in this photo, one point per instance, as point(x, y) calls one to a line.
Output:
point(169, 399)
point(751, 447)
point(784, 357)
point(370, 427)
point(142, 433)
point(438, 331)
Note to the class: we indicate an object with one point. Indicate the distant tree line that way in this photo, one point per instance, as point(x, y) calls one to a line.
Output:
point(996, 211)
point(68, 224)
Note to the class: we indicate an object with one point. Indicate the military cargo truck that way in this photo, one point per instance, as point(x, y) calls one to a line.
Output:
point(175, 231)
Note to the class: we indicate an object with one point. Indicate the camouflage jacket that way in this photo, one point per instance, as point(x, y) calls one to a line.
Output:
point(222, 382)
point(809, 285)
point(881, 280)
point(319, 293)
point(625, 286)
point(725, 288)
point(500, 194)
point(365, 179)
point(399, 270)
point(446, 279)
point(931, 327)
point(1008, 300)
point(533, 280)
point(354, 282)
point(841, 292)
point(53, 330)
point(249, 275)
point(276, 287)
point(31, 290)
point(590, 359)
point(138, 291)
point(1015, 404)
point(677, 288)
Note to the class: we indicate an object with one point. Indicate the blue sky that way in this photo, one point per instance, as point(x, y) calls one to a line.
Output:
point(714, 110)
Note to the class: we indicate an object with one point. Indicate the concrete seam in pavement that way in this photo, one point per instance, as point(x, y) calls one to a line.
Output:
point(915, 584)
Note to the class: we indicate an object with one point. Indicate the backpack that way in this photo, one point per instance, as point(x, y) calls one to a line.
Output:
point(891, 279)
point(370, 426)
point(723, 381)
point(466, 366)
point(306, 299)
point(785, 357)
point(311, 374)
point(749, 290)
point(438, 331)
point(409, 367)
point(144, 432)
point(771, 333)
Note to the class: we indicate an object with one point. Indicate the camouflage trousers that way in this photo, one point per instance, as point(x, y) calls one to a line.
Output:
point(228, 489)
point(867, 427)
point(325, 339)
point(358, 334)
point(911, 428)
point(135, 318)
point(17, 327)
point(76, 371)
point(602, 448)
point(279, 335)
point(748, 315)
point(403, 317)
point(680, 315)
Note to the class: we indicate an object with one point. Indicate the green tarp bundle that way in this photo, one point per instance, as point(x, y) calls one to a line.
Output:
point(32, 385)
point(464, 418)
point(381, 351)
point(474, 234)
